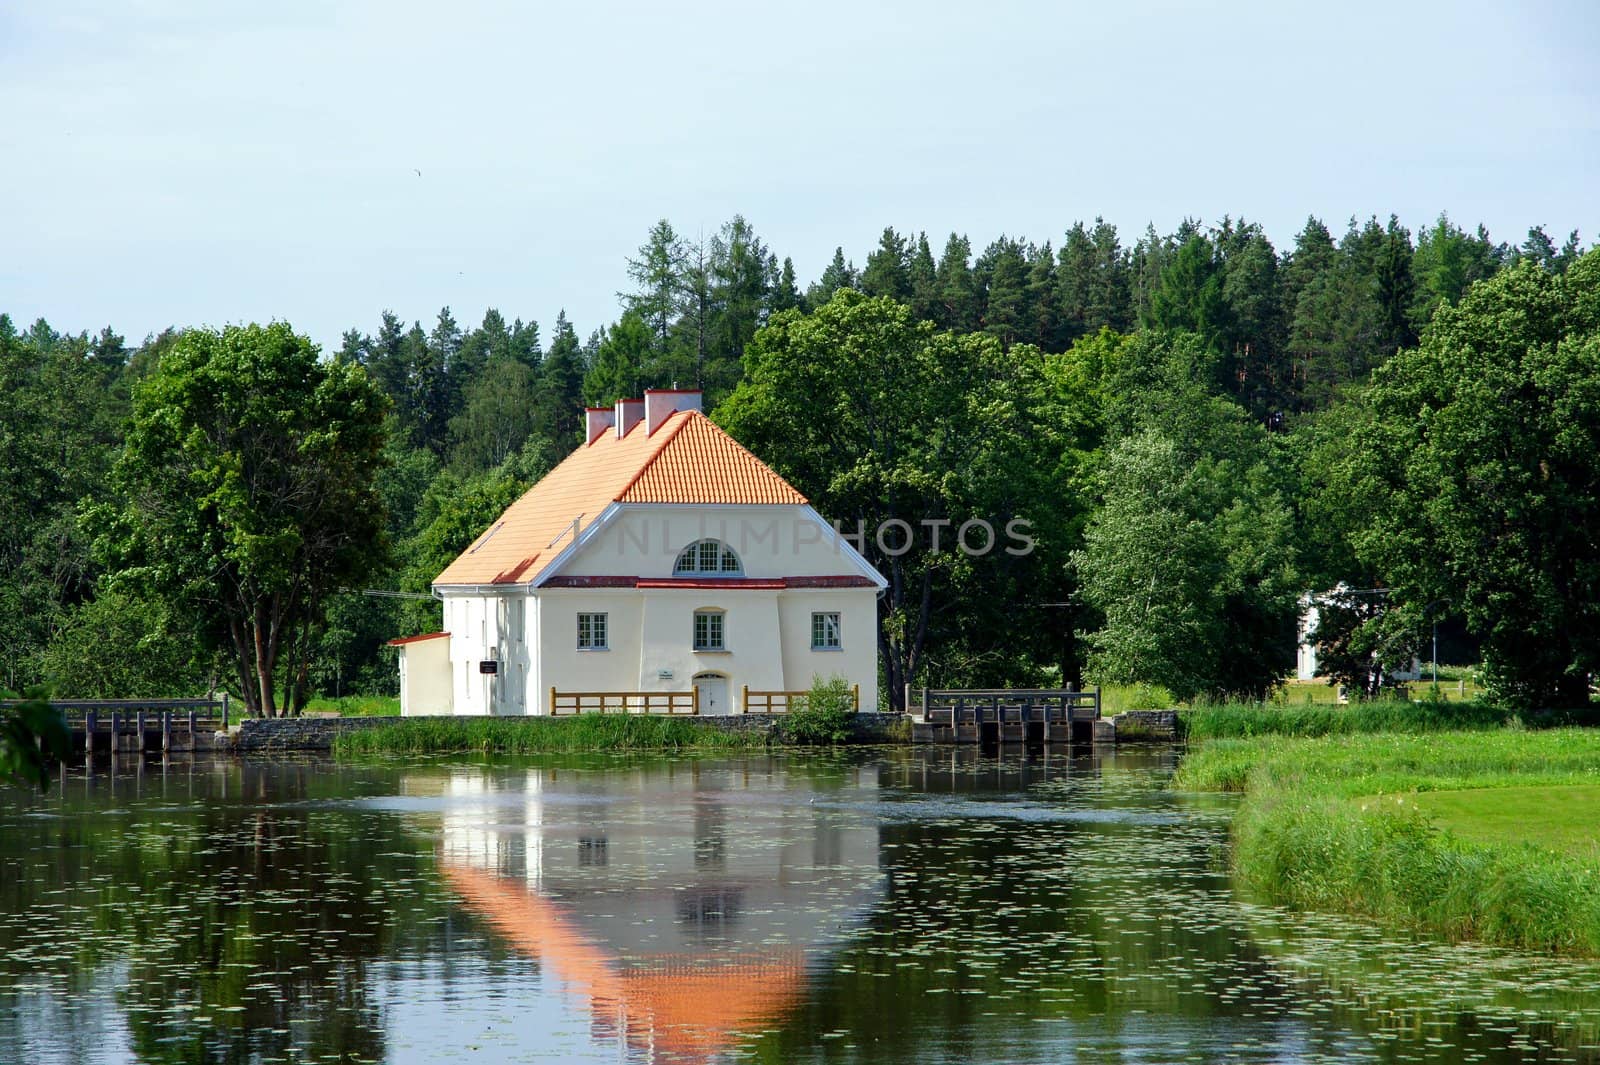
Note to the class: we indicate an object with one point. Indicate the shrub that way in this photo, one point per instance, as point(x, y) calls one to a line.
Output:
point(825, 715)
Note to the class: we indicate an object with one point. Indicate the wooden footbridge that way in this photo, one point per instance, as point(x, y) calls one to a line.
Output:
point(1003, 715)
point(135, 726)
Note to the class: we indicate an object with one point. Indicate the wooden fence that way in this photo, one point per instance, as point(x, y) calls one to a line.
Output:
point(776, 702)
point(671, 703)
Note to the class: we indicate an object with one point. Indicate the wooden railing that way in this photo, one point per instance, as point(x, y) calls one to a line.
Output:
point(776, 702)
point(677, 704)
point(88, 713)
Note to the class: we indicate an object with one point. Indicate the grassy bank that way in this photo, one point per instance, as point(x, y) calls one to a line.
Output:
point(539, 735)
point(1239, 720)
point(355, 705)
point(1387, 825)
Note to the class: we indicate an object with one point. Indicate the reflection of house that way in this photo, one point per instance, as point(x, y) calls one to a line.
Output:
point(1312, 606)
point(681, 904)
point(660, 556)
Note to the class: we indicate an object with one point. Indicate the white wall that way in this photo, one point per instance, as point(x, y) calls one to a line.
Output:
point(490, 626)
point(857, 661)
point(767, 634)
point(425, 677)
point(776, 541)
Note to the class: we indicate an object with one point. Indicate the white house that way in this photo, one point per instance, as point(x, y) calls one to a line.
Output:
point(659, 559)
point(1306, 650)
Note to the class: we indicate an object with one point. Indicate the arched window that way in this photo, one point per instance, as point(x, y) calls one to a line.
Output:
point(707, 558)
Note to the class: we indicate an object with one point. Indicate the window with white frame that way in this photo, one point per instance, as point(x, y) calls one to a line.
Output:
point(707, 558)
point(592, 632)
point(825, 632)
point(708, 631)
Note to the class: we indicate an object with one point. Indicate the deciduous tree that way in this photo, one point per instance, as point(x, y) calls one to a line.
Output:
point(248, 475)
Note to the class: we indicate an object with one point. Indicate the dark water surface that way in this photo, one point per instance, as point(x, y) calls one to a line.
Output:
point(927, 906)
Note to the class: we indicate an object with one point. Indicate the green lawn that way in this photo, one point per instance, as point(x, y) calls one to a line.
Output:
point(1428, 830)
point(1562, 818)
point(355, 706)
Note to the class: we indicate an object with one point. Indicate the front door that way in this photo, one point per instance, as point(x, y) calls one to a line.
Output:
point(713, 691)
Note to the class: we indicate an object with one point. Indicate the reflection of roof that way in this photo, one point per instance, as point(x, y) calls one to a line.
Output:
point(687, 1007)
point(686, 460)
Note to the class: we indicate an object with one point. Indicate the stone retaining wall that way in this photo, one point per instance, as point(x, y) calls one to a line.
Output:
point(1146, 725)
point(297, 733)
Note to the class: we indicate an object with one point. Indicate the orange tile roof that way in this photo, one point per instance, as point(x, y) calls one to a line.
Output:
point(688, 459)
point(692, 1007)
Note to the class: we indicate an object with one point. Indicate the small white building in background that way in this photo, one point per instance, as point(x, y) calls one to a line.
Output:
point(661, 556)
point(1306, 648)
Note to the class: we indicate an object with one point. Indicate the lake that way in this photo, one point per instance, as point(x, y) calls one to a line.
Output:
point(918, 905)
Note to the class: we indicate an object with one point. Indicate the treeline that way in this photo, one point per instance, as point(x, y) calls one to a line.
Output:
point(1162, 412)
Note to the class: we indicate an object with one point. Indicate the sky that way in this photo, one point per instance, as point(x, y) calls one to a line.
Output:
point(200, 163)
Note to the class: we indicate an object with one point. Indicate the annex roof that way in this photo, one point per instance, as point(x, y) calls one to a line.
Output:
point(688, 459)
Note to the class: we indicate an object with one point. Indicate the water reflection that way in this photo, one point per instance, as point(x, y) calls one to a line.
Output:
point(683, 906)
point(930, 906)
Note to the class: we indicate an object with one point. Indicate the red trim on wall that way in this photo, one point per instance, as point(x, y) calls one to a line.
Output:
point(402, 641)
point(745, 583)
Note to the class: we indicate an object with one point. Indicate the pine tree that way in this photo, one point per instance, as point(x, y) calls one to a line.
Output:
point(691, 346)
point(924, 277)
point(742, 281)
point(110, 352)
point(620, 367)
point(888, 269)
point(1002, 275)
point(525, 343)
point(1395, 288)
point(657, 274)
point(786, 292)
point(958, 289)
point(1539, 247)
point(1190, 294)
point(1109, 300)
point(388, 361)
point(1043, 323)
point(1257, 332)
point(1074, 278)
point(1146, 265)
point(431, 402)
point(1314, 254)
point(839, 274)
point(561, 387)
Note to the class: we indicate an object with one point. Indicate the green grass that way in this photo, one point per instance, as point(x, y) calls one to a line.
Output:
point(1266, 719)
point(355, 706)
point(1237, 720)
point(1564, 818)
point(1372, 824)
point(539, 735)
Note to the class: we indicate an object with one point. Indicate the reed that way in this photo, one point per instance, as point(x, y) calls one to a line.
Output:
point(1390, 715)
point(539, 735)
point(1335, 824)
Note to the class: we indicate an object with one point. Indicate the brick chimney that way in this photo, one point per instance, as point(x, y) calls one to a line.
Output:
point(662, 403)
point(629, 413)
point(596, 420)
